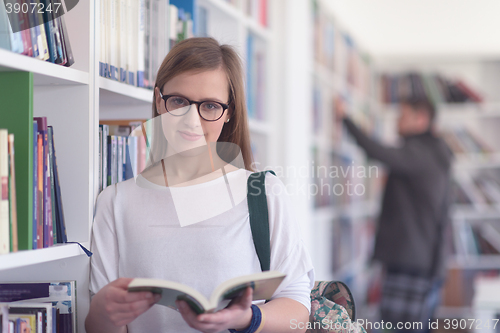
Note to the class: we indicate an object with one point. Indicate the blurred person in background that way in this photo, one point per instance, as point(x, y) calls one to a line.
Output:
point(410, 242)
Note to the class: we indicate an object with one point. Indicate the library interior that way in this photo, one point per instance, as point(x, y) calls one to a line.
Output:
point(380, 118)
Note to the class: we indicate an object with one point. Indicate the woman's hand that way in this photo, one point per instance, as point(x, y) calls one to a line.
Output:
point(114, 305)
point(237, 315)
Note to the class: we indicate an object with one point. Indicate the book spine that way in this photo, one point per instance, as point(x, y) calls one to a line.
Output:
point(46, 193)
point(61, 224)
point(49, 29)
point(119, 159)
point(105, 134)
point(40, 197)
point(66, 42)
point(100, 159)
point(123, 39)
point(102, 38)
point(140, 42)
point(64, 57)
point(124, 157)
point(132, 41)
point(15, 35)
point(4, 199)
point(147, 44)
point(114, 159)
point(113, 36)
point(35, 184)
point(12, 195)
point(109, 163)
point(52, 191)
point(174, 16)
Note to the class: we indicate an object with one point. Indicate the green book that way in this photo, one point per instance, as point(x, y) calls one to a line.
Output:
point(16, 94)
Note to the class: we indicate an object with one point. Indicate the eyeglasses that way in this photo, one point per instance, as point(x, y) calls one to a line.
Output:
point(179, 106)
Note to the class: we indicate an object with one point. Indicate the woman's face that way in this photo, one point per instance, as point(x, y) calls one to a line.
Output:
point(189, 131)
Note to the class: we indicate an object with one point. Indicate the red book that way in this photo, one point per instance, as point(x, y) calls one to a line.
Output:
point(469, 92)
point(263, 12)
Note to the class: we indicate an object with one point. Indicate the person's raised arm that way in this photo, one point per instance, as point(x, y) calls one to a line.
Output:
point(397, 159)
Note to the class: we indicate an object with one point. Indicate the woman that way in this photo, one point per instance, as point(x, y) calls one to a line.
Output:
point(184, 218)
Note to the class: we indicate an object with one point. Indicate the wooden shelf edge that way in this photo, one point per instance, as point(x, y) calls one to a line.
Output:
point(39, 256)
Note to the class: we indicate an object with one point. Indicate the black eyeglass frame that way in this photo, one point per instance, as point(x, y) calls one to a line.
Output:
point(198, 104)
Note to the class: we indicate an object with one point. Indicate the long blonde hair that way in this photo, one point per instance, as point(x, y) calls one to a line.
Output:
point(203, 54)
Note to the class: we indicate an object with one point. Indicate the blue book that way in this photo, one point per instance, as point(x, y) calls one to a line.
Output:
point(250, 78)
point(48, 20)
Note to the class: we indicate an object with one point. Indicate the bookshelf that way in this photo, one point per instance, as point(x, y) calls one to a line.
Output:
point(345, 217)
point(65, 96)
point(75, 99)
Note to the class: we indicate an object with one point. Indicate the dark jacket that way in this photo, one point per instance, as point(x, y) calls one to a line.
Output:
point(415, 204)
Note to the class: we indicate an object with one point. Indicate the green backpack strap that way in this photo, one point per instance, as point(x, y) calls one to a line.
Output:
point(259, 217)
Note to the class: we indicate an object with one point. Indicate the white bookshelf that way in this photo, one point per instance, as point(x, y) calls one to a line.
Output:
point(351, 259)
point(65, 96)
point(75, 99)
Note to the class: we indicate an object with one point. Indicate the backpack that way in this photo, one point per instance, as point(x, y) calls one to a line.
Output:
point(332, 304)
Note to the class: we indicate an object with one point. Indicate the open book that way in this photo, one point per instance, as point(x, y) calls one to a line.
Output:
point(264, 284)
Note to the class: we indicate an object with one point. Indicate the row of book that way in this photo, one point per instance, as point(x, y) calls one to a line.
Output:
point(48, 226)
point(121, 154)
point(434, 87)
point(479, 191)
point(480, 238)
point(36, 28)
point(135, 36)
point(256, 9)
point(38, 307)
point(336, 51)
point(463, 140)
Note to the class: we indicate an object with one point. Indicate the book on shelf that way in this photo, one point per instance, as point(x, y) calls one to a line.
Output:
point(124, 159)
point(477, 238)
point(480, 190)
point(135, 37)
point(12, 196)
point(257, 10)
point(264, 284)
point(44, 184)
point(435, 87)
point(463, 140)
point(4, 199)
point(38, 34)
point(46, 306)
point(256, 85)
point(60, 235)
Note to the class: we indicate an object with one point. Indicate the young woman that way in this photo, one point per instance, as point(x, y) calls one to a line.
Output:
point(185, 217)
